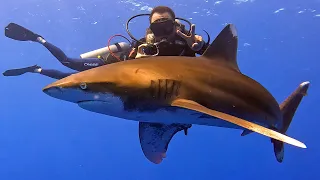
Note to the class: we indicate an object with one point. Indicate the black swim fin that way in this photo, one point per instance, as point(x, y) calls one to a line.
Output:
point(17, 32)
point(20, 71)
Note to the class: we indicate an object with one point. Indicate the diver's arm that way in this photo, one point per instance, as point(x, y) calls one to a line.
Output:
point(134, 51)
point(187, 34)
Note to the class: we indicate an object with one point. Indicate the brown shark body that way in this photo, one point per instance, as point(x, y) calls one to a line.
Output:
point(169, 94)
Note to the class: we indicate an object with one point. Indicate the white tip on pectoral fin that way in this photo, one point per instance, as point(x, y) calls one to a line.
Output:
point(188, 104)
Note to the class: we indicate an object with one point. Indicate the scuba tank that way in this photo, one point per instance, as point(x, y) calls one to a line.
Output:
point(104, 52)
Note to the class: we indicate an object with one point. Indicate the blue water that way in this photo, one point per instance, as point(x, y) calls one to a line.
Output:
point(42, 138)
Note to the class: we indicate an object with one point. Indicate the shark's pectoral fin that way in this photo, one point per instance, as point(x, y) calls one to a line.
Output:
point(155, 138)
point(188, 104)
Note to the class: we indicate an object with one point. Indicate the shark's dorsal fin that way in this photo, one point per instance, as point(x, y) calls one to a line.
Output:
point(192, 105)
point(224, 47)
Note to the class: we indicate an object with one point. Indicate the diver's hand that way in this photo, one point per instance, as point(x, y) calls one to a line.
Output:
point(141, 53)
point(194, 41)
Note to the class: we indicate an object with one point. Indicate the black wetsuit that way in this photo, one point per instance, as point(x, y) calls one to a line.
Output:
point(178, 47)
point(77, 64)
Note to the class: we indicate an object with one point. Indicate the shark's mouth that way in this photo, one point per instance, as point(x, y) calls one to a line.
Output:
point(88, 101)
point(112, 106)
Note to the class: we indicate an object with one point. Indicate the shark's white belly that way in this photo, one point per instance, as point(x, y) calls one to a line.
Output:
point(114, 107)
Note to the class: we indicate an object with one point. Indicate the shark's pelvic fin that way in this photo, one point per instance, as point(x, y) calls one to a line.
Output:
point(188, 104)
point(155, 138)
point(224, 47)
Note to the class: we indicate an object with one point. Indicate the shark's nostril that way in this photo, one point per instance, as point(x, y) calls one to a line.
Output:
point(53, 90)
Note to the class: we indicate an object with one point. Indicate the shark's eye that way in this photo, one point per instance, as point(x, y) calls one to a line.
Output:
point(83, 86)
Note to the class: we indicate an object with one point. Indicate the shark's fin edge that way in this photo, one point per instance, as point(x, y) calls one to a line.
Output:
point(224, 48)
point(188, 104)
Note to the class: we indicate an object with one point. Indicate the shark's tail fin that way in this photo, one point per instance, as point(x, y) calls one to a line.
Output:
point(288, 108)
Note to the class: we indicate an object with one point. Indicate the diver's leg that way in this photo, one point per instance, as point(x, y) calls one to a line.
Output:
point(55, 74)
point(17, 32)
point(77, 64)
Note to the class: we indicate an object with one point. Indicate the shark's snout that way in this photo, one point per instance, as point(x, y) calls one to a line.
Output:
point(52, 90)
point(62, 83)
point(67, 94)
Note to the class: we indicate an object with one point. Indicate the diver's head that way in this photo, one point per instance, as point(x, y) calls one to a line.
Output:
point(162, 22)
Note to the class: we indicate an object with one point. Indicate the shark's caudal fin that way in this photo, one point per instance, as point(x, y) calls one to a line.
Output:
point(224, 47)
point(188, 104)
point(288, 108)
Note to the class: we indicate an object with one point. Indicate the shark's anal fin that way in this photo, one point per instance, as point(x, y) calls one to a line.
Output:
point(246, 132)
point(155, 138)
point(188, 104)
point(224, 47)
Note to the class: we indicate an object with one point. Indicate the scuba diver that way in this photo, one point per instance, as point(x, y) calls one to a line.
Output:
point(166, 36)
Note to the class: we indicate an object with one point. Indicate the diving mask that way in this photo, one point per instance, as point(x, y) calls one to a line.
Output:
point(162, 27)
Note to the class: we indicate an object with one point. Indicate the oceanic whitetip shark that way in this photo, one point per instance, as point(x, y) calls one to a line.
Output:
point(168, 94)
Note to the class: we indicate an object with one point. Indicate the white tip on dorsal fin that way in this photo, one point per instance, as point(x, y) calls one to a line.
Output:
point(224, 47)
